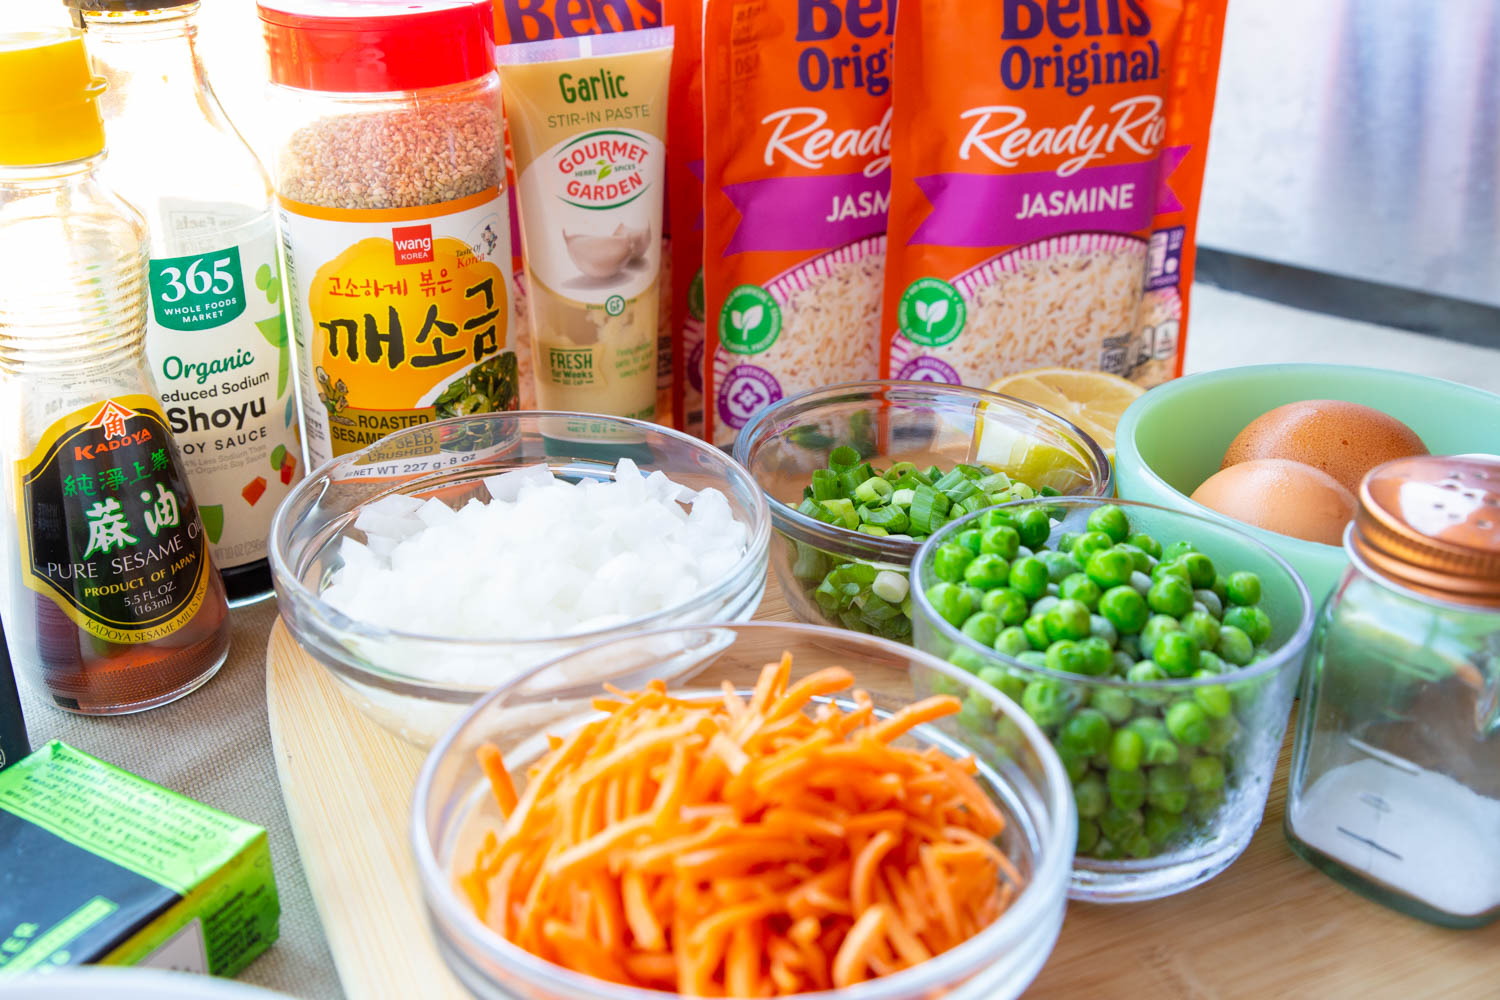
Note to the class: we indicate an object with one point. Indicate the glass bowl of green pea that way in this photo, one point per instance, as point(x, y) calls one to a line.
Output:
point(859, 475)
point(1159, 651)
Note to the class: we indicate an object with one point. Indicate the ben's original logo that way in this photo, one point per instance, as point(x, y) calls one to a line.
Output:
point(413, 244)
point(536, 20)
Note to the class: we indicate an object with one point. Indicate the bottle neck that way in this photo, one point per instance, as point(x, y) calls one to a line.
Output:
point(37, 179)
point(150, 57)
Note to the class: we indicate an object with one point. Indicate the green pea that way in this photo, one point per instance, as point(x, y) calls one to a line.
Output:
point(1206, 774)
point(1170, 596)
point(987, 571)
point(1095, 656)
point(1203, 627)
point(1157, 626)
point(1068, 619)
point(976, 714)
point(1123, 662)
point(1060, 565)
point(1234, 645)
point(1046, 701)
point(1105, 850)
point(1002, 540)
point(1210, 663)
point(975, 594)
point(969, 539)
point(1110, 520)
point(1064, 655)
point(1006, 604)
point(1088, 835)
point(1167, 787)
point(1144, 672)
point(1029, 575)
point(1086, 732)
point(1119, 823)
point(1252, 621)
point(949, 561)
point(1171, 568)
point(1221, 588)
point(1200, 568)
point(1034, 528)
point(1089, 543)
point(1210, 602)
point(1146, 544)
point(992, 675)
point(1034, 658)
point(1176, 549)
point(1110, 567)
point(1140, 582)
point(1222, 735)
point(1176, 653)
point(1091, 796)
point(1078, 587)
point(994, 518)
point(1214, 699)
point(982, 627)
point(1163, 827)
point(1067, 540)
point(1127, 789)
point(1035, 628)
point(943, 684)
point(951, 603)
point(1100, 628)
point(1076, 764)
point(967, 659)
point(1012, 641)
point(1130, 645)
point(1188, 723)
point(1114, 702)
point(1124, 608)
point(1126, 750)
point(1205, 806)
point(1243, 588)
point(1139, 846)
point(1139, 561)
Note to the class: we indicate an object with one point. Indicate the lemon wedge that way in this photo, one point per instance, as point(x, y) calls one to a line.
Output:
point(1092, 400)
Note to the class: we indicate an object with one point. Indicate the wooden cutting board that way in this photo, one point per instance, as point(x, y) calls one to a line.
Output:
point(1270, 926)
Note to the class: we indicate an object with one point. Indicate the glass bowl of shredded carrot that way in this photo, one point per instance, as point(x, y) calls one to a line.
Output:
point(747, 810)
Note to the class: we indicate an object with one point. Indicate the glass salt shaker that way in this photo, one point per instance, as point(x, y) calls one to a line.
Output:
point(1395, 779)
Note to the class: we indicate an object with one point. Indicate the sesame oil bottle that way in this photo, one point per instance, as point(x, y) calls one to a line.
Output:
point(110, 600)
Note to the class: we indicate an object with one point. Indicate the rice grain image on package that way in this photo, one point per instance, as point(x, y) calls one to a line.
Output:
point(1046, 166)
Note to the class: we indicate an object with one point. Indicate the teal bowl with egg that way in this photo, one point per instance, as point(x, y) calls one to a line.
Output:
point(1173, 438)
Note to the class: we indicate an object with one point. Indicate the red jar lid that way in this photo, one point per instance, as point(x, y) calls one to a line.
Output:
point(377, 46)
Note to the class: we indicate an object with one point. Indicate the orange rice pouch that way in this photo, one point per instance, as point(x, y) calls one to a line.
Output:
point(1047, 161)
point(797, 109)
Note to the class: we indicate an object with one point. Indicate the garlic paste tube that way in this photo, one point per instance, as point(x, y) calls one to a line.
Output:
point(588, 120)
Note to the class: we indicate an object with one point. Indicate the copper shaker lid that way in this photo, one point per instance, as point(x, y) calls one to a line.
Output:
point(1432, 523)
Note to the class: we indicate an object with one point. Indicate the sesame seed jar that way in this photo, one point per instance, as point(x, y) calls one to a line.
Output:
point(393, 214)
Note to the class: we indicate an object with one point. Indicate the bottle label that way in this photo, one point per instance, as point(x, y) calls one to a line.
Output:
point(402, 316)
point(222, 360)
point(109, 529)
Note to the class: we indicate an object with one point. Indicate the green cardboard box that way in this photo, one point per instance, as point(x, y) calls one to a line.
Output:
point(98, 866)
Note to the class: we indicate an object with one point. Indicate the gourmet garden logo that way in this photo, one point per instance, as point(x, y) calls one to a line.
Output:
point(604, 169)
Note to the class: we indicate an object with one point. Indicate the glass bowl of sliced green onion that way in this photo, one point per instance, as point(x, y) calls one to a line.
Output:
point(859, 475)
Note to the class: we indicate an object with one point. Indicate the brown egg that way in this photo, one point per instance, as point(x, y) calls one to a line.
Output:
point(1345, 440)
point(1289, 498)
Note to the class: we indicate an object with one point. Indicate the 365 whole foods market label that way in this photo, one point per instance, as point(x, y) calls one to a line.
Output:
point(109, 529)
point(222, 360)
point(401, 315)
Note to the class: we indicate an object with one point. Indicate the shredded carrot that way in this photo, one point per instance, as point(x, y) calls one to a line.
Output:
point(741, 845)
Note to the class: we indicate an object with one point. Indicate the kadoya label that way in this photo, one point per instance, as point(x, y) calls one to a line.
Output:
point(109, 529)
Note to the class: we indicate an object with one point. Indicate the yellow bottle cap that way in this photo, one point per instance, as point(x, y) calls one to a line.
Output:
point(49, 98)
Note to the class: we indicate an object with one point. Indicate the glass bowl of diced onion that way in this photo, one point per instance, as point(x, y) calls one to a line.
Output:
point(410, 636)
point(831, 574)
point(456, 813)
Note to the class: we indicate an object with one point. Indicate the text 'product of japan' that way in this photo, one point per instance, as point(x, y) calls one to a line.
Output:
point(216, 343)
point(111, 602)
point(1395, 780)
point(797, 97)
point(1046, 162)
point(390, 184)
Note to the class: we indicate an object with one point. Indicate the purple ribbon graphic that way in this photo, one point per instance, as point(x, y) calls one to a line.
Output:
point(808, 213)
point(986, 210)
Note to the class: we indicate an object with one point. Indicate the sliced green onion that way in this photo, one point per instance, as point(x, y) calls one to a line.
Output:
point(825, 484)
point(843, 457)
point(874, 491)
point(843, 510)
